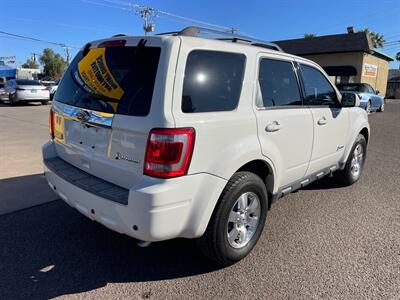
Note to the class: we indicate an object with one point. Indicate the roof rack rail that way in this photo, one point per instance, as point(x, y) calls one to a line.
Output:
point(234, 38)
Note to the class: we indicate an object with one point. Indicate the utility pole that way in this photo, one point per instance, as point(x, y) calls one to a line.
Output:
point(67, 53)
point(233, 30)
point(148, 15)
point(34, 55)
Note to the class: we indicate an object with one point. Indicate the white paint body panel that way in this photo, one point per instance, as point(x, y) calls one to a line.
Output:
point(225, 141)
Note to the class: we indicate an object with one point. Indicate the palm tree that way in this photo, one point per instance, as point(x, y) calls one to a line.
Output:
point(378, 40)
point(309, 35)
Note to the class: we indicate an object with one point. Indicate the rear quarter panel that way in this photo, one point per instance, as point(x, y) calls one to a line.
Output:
point(225, 141)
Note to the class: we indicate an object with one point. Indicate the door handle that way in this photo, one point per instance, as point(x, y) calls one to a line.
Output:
point(274, 126)
point(322, 121)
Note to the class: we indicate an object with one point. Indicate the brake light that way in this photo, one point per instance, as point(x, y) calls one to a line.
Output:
point(112, 43)
point(45, 89)
point(168, 152)
point(20, 89)
point(51, 124)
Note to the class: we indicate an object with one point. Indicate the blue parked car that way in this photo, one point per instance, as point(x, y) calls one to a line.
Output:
point(370, 99)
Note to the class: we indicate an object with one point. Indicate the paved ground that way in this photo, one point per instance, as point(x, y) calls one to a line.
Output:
point(23, 130)
point(321, 242)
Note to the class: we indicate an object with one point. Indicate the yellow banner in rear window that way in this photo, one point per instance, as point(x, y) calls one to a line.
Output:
point(94, 72)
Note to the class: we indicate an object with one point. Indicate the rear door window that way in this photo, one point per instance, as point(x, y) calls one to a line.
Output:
point(213, 81)
point(114, 80)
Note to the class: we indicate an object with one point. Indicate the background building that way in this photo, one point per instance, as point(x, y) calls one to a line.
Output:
point(346, 58)
point(393, 86)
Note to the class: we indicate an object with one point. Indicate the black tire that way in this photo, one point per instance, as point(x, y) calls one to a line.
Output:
point(11, 100)
point(346, 176)
point(214, 243)
point(45, 102)
point(382, 107)
point(368, 107)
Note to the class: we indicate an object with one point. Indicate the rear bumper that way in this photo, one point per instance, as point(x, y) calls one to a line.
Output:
point(157, 209)
point(32, 97)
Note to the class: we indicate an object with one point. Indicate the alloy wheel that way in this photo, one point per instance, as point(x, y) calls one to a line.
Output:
point(357, 161)
point(243, 220)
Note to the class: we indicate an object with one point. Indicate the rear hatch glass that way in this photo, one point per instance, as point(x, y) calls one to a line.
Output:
point(114, 80)
point(100, 107)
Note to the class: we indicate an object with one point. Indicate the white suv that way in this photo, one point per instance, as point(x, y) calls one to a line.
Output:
point(174, 135)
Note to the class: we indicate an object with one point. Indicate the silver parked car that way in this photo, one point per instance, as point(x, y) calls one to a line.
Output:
point(370, 100)
point(23, 90)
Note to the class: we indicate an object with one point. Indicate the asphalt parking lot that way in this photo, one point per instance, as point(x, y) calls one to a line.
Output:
point(324, 241)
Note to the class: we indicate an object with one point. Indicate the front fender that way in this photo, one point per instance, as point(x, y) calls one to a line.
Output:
point(358, 121)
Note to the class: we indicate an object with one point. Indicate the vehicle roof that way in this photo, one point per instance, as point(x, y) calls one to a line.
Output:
point(238, 46)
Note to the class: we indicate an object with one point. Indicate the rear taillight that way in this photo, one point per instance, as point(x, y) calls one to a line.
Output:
point(45, 89)
point(20, 89)
point(51, 124)
point(168, 152)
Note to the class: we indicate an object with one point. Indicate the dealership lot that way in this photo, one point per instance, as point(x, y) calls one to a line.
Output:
point(321, 242)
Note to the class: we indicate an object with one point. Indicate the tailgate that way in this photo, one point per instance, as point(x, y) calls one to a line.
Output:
point(86, 139)
point(102, 108)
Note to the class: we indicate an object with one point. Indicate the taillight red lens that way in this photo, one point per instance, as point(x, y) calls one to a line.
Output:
point(51, 124)
point(169, 152)
point(20, 89)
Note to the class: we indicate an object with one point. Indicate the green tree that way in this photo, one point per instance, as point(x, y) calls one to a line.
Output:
point(30, 64)
point(309, 36)
point(53, 63)
point(378, 40)
point(398, 56)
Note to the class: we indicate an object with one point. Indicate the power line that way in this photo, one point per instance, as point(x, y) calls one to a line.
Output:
point(148, 15)
point(37, 40)
point(58, 24)
point(67, 48)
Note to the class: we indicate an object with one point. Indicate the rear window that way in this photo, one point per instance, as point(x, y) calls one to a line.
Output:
point(113, 80)
point(28, 82)
point(213, 81)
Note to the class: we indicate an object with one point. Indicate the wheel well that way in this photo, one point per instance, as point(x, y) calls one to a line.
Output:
point(264, 171)
point(364, 132)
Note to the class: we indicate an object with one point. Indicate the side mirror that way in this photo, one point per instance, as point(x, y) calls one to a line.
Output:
point(350, 100)
point(377, 92)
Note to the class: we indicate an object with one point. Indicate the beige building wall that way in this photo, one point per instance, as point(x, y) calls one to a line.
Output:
point(357, 60)
point(354, 59)
point(378, 82)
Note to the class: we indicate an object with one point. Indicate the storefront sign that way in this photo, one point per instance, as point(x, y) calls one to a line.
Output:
point(8, 60)
point(370, 70)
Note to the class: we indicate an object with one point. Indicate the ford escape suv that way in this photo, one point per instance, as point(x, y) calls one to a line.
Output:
point(176, 135)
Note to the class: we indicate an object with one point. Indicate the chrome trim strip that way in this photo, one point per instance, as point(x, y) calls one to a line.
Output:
point(94, 118)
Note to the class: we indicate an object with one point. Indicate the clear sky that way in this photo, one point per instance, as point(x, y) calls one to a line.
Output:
point(75, 22)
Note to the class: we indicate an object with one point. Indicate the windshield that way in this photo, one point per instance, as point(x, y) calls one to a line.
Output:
point(114, 80)
point(28, 82)
point(352, 88)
